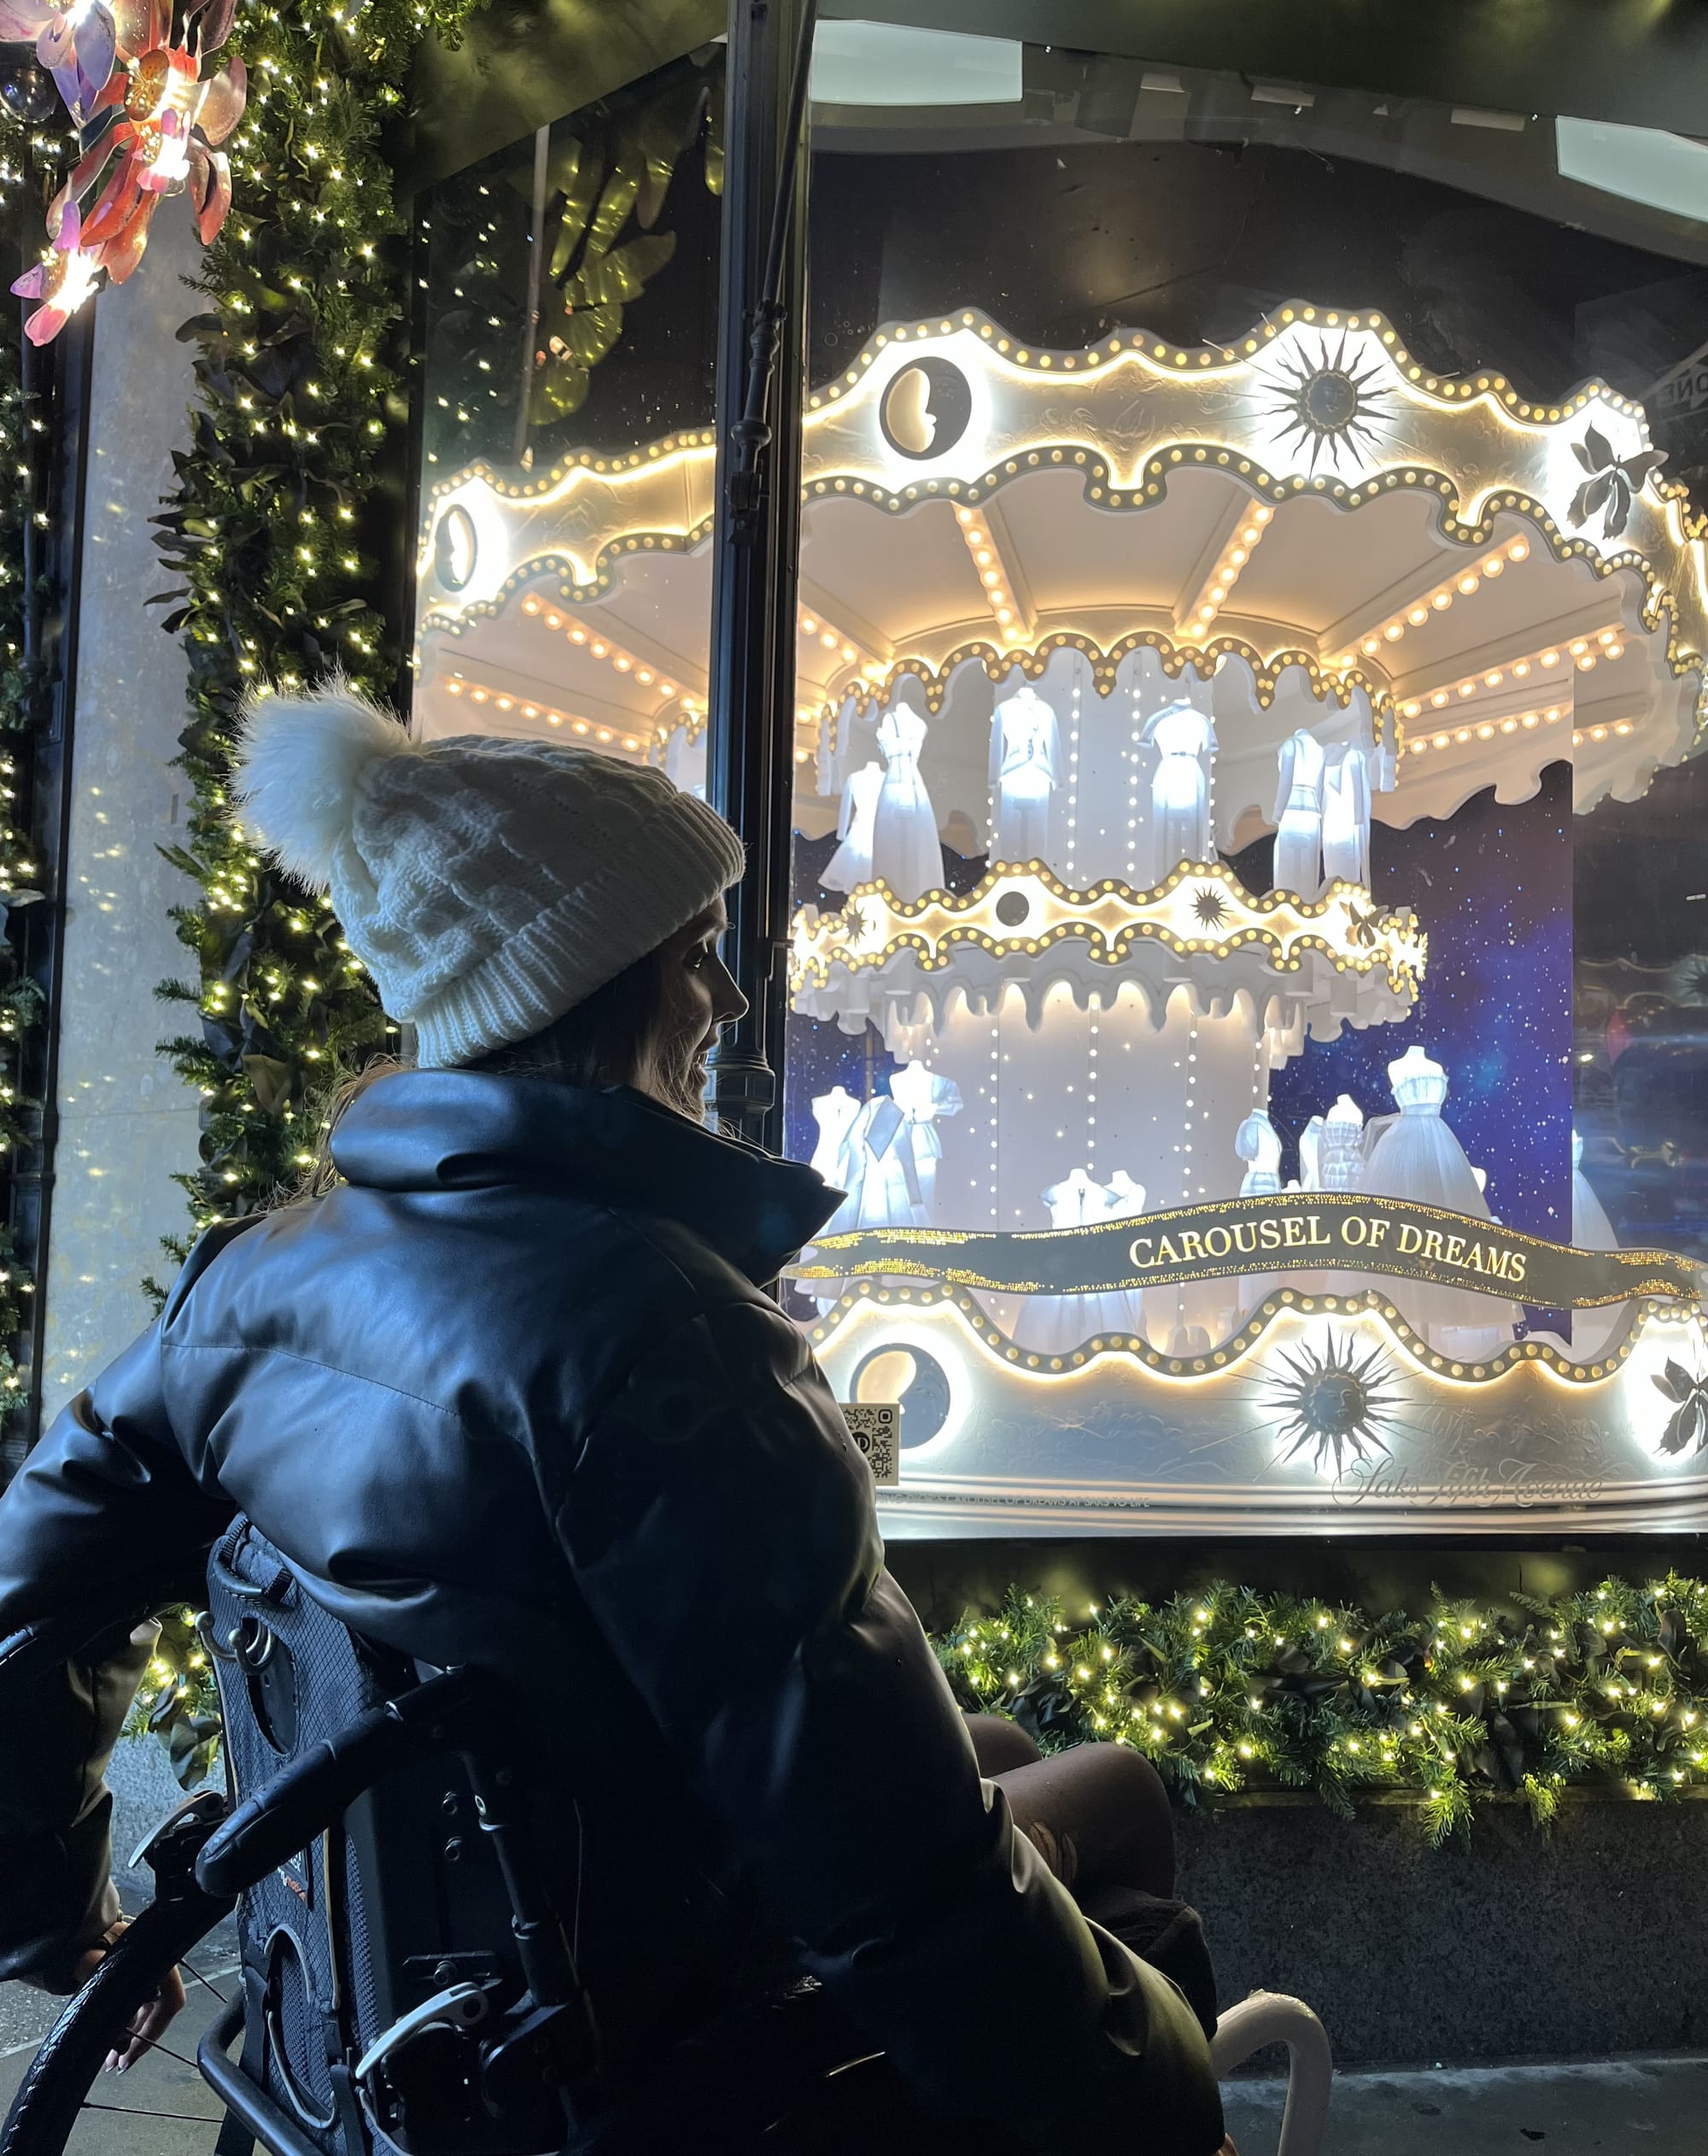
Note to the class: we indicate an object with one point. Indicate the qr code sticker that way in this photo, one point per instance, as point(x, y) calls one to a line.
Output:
point(876, 1428)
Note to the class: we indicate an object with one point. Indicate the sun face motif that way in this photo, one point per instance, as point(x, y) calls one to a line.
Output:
point(1209, 908)
point(1332, 406)
point(1337, 1402)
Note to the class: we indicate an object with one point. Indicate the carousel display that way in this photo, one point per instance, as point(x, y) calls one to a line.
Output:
point(1114, 694)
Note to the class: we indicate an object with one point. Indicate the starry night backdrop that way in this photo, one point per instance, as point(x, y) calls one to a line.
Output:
point(1493, 887)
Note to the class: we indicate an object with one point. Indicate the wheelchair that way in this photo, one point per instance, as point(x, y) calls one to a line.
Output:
point(406, 1987)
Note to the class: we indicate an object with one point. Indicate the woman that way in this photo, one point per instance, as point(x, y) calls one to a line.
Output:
point(511, 1394)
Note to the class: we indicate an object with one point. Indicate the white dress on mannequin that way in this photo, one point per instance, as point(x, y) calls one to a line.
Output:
point(1418, 1157)
point(851, 863)
point(885, 1186)
point(1026, 770)
point(923, 1098)
point(836, 1114)
point(1258, 1143)
point(1299, 816)
point(907, 853)
point(1055, 1324)
point(1184, 741)
point(1340, 1156)
point(1311, 1155)
point(1124, 1311)
point(1346, 816)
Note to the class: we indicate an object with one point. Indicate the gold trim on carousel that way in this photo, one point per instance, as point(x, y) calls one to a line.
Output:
point(1007, 1353)
point(931, 928)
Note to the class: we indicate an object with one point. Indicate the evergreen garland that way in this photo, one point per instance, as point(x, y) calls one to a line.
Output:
point(274, 533)
point(1230, 1689)
point(32, 157)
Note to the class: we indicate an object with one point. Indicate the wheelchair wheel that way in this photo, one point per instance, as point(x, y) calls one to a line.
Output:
point(55, 2094)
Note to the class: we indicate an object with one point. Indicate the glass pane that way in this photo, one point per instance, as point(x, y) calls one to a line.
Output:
point(570, 352)
point(1246, 851)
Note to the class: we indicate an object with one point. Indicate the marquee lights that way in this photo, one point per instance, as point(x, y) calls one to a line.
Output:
point(1417, 614)
point(501, 700)
point(1201, 910)
point(1236, 555)
point(987, 565)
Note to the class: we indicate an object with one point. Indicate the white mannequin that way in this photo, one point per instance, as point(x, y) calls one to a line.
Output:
point(1184, 741)
point(836, 1113)
point(1310, 1155)
point(1258, 1143)
point(906, 853)
point(1418, 1157)
point(1026, 770)
point(1299, 816)
point(1055, 1324)
point(1340, 1154)
point(1346, 816)
point(880, 1157)
point(1123, 1312)
point(685, 761)
point(851, 863)
point(923, 1098)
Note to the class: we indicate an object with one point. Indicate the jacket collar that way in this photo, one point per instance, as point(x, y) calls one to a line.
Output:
point(434, 1130)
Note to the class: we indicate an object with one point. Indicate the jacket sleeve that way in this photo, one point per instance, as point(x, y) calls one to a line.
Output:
point(93, 1525)
point(721, 1526)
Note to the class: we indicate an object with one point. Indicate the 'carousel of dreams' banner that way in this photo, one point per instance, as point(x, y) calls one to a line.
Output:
point(1288, 1233)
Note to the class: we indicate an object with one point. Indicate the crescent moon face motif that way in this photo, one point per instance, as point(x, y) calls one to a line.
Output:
point(455, 548)
point(926, 409)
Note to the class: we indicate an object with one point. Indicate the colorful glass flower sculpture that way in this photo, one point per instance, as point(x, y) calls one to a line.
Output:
point(135, 77)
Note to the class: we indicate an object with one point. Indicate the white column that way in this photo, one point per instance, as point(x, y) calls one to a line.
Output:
point(126, 1122)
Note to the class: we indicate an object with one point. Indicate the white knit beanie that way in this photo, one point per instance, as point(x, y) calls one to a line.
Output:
point(489, 886)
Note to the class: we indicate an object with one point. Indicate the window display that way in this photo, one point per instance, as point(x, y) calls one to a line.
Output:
point(1202, 969)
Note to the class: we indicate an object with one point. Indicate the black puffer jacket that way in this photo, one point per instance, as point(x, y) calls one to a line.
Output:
point(514, 1396)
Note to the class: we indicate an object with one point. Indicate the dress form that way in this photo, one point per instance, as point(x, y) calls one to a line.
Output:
point(1258, 1144)
point(836, 1113)
point(1346, 816)
point(906, 853)
point(1418, 1158)
point(1026, 770)
point(851, 863)
point(923, 1098)
point(1056, 1324)
point(1183, 740)
point(1299, 816)
point(1124, 1311)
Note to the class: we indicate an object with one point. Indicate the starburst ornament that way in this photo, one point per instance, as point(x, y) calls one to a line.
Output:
point(1333, 408)
point(1337, 1402)
point(1209, 908)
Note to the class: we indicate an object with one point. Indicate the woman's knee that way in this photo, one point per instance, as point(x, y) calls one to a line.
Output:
point(1000, 1745)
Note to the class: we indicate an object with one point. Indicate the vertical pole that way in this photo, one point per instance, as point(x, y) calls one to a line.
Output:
point(750, 760)
point(536, 256)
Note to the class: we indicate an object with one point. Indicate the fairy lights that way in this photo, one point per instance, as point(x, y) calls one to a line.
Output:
point(1217, 588)
point(1419, 613)
point(992, 574)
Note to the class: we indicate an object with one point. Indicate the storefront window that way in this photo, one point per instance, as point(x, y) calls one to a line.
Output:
point(1248, 972)
point(571, 301)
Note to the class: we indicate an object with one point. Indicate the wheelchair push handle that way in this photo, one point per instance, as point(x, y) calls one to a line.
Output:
point(306, 1798)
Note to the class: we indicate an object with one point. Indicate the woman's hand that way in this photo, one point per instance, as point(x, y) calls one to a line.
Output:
point(151, 2020)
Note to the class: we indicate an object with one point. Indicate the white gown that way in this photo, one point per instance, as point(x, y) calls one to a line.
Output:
point(906, 852)
point(1346, 816)
point(1026, 770)
point(1184, 741)
point(1299, 817)
point(924, 1097)
point(1124, 1312)
point(1057, 1324)
point(1258, 1143)
point(836, 1113)
point(1310, 1155)
point(1418, 1157)
point(851, 863)
point(1340, 1156)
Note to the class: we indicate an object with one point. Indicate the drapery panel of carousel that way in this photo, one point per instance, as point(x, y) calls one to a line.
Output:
point(1249, 657)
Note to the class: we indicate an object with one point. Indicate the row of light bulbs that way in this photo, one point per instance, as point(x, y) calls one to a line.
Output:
point(1235, 556)
point(1584, 655)
point(1437, 602)
point(987, 563)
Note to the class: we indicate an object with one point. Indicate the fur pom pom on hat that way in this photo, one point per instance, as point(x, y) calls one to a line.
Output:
point(489, 886)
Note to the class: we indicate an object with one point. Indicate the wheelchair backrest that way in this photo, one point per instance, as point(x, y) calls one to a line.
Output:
point(402, 1899)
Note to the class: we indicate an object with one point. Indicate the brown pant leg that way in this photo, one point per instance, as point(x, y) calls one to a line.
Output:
point(999, 1745)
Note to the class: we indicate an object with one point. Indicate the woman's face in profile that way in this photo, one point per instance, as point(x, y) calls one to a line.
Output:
point(697, 999)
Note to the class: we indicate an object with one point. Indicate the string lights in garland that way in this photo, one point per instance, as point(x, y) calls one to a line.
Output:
point(274, 535)
point(34, 151)
point(1231, 1689)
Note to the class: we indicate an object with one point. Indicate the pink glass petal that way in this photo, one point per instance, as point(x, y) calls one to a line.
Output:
point(45, 324)
point(212, 215)
point(29, 286)
point(223, 101)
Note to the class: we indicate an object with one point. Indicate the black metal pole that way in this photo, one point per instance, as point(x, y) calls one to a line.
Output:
point(759, 397)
